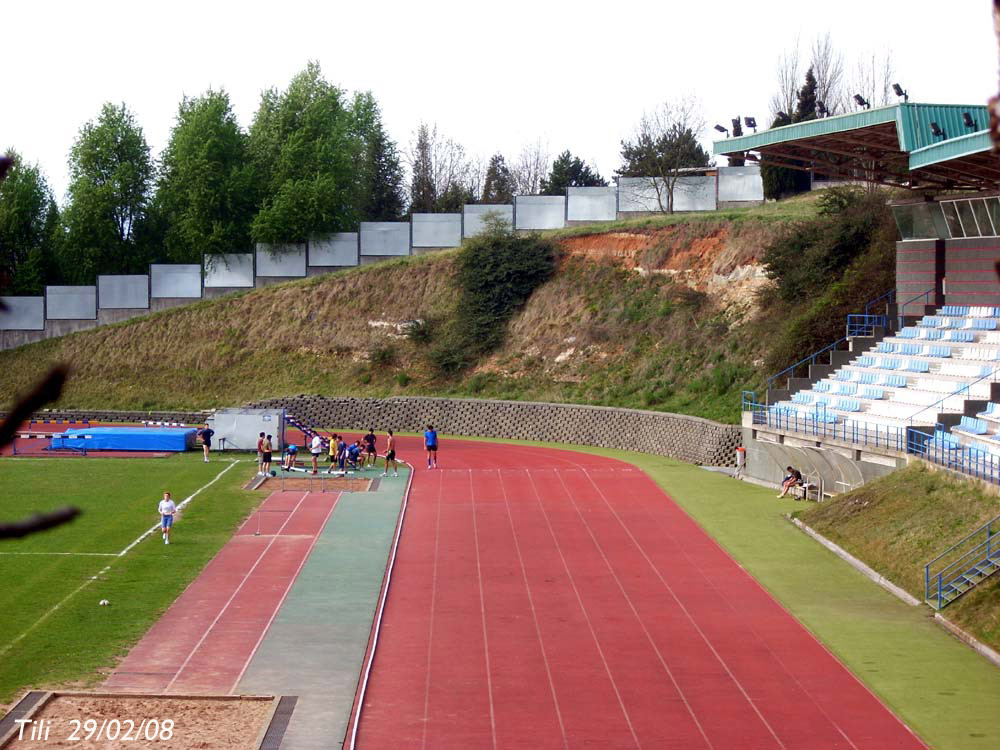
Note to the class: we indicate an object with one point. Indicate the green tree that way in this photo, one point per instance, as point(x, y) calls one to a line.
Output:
point(111, 176)
point(382, 174)
point(498, 187)
point(665, 143)
point(805, 106)
point(423, 193)
point(780, 182)
point(570, 171)
point(305, 154)
point(28, 221)
point(205, 197)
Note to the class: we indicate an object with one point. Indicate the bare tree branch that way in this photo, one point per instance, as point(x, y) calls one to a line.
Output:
point(789, 73)
point(47, 390)
point(530, 167)
point(828, 67)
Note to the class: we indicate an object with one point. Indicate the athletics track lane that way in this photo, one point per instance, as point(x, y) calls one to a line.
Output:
point(547, 599)
point(204, 641)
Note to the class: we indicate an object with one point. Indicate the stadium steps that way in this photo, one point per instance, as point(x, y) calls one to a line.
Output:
point(974, 560)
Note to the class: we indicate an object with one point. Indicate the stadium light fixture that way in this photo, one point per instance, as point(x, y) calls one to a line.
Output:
point(898, 90)
point(936, 130)
point(821, 109)
point(862, 102)
point(750, 122)
point(737, 129)
point(722, 130)
point(967, 120)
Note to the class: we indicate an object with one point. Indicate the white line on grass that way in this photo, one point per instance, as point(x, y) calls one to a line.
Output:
point(68, 554)
point(103, 570)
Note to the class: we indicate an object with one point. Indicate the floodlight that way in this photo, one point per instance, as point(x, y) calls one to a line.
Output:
point(967, 120)
point(936, 129)
point(900, 92)
point(722, 130)
point(861, 101)
point(750, 122)
point(821, 108)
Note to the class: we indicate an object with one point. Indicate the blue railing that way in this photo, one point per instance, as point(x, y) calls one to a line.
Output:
point(818, 423)
point(865, 324)
point(958, 560)
point(811, 359)
point(963, 390)
point(925, 296)
point(886, 299)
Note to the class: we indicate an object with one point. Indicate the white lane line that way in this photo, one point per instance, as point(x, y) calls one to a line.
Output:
point(58, 605)
point(229, 601)
point(153, 529)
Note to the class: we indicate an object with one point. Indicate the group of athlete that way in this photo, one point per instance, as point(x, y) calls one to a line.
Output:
point(359, 455)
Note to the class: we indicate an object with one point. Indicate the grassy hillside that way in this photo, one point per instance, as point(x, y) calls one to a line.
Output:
point(898, 523)
point(660, 313)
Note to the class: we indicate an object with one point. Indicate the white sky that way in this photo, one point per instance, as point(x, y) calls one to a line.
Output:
point(492, 76)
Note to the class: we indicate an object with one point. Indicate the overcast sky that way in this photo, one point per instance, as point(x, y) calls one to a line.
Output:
point(493, 76)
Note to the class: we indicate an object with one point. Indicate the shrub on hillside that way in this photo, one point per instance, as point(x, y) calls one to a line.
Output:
point(496, 273)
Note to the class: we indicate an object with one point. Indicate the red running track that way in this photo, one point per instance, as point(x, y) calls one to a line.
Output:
point(547, 599)
point(203, 643)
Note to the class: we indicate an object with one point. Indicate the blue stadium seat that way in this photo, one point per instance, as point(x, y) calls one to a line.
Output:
point(973, 425)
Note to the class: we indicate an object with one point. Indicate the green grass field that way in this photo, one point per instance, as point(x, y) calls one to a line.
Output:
point(53, 631)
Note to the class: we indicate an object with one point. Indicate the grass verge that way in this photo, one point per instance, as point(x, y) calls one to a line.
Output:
point(79, 641)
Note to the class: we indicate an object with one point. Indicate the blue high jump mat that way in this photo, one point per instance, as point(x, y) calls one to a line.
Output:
point(126, 439)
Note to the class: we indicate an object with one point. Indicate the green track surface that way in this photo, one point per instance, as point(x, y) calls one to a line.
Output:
point(940, 687)
point(316, 645)
point(52, 631)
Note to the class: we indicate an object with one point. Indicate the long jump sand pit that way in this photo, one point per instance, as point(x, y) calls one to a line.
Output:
point(95, 720)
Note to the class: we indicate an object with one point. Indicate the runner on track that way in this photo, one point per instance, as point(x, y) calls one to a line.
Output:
point(431, 446)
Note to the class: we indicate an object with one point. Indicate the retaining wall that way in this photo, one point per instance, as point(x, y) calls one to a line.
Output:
point(674, 435)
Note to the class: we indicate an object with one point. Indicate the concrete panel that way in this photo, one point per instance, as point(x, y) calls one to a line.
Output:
point(288, 261)
point(539, 211)
point(229, 271)
point(339, 249)
point(71, 302)
point(591, 203)
point(740, 184)
point(437, 230)
point(180, 280)
point(644, 194)
point(391, 238)
point(472, 216)
point(123, 292)
point(22, 314)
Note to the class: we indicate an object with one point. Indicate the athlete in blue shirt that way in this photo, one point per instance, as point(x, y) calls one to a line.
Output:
point(431, 446)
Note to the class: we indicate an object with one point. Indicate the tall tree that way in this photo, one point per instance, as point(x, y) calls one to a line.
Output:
point(305, 152)
point(780, 182)
point(28, 218)
point(205, 197)
point(499, 185)
point(828, 66)
point(111, 176)
point(381, 180)
point(441, 173)
point(570, 171)
point(664, 144)
point(805, 104)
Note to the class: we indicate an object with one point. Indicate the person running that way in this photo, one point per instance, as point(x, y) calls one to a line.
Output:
point(390, 455)
point(316, 447)
point(260, 453)
point(206, 433)
point(266, 455)
point(371, 455)
point(167, 510)
point(291, 455)
point(431, 446)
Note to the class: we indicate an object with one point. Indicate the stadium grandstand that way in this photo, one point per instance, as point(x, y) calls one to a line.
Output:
point(917, 373)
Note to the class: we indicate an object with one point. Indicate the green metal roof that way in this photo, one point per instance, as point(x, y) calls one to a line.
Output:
point(912, 121)
point(952, 148)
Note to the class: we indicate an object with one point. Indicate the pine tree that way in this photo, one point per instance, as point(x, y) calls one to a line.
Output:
point(570, 171)
point(498, 186)
point(805, 108)
point(422, 191)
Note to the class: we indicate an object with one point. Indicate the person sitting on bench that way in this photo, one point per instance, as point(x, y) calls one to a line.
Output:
point(792, 479)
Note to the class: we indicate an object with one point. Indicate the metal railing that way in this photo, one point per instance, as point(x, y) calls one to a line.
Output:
point(863, 324)
point(816, 423)
point(887, 299)
point(961, 558)
point(901, 312)
point(811, 359)
point(963, 390)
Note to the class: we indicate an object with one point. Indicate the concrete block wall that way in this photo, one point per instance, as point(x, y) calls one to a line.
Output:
point(677, 436)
